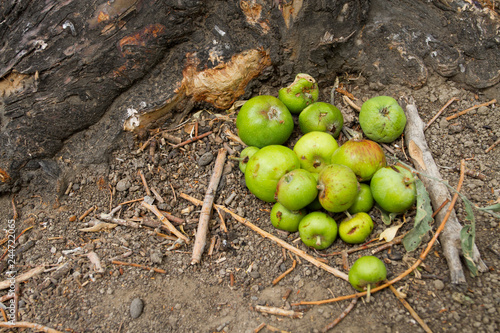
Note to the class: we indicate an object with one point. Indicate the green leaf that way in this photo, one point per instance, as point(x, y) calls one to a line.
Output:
point(467, 239)
point(387, 217)
point(493, 208)
point(422, 219)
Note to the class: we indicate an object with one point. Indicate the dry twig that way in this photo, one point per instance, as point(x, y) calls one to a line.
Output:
point(278, 311)
point(410, 309)
point(453, 99)
point(288, 271)
point(206, 209)
point(195, 138)
point(87, 212)
point(23, 277)
point(341, 316)
point(461, 113)
point(492, 146)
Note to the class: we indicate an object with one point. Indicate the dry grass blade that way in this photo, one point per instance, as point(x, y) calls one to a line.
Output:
point(410, 309)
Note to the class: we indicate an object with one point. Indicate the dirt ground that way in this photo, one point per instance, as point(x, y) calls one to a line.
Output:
point(220, 293)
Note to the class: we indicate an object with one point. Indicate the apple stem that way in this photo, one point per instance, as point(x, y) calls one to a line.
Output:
point(348, 214)
point(368, 293)
point(352, 134)
point(234, 158)
point(318, 240)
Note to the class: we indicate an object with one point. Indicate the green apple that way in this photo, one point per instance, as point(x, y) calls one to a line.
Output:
point(245, 157)
point(367, 272)
point(382, 119)
point(266, 167)
point(302, 92)
point(318, 230)
point(338, 188)
point(364, 200)
point(322, 117)
point(264, 120)
point(314, 150)
point(284, 219)
point(364, 157)
point(296, 189)
point(355, 229)
point(393, 188)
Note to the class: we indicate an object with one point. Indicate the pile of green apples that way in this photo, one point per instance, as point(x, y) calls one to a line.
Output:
point(318, 178)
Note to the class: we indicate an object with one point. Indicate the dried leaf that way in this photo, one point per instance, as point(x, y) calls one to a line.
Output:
point(468, 238)
point(99, 227)
point(422, 219)
point(389, 233)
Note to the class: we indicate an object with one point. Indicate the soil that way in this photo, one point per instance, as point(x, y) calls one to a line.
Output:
point(220, 293)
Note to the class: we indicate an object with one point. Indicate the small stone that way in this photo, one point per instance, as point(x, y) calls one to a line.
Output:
point(254, 274)
point(177, 306)
point(136, 308)
point(483, 110)
point(205, 159)
point(123, 185)
point(156, 257)
point(438, 284)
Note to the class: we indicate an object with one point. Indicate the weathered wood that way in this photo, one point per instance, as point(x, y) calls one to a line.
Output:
point(424, 162)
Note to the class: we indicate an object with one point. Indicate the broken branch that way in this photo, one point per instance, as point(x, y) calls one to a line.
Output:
point(157, 270)
point(201, 136)
point(206, 210)
point(440, 111)
point(341, 316)
point(23, 277)
point(24, 324)
point(278, 311)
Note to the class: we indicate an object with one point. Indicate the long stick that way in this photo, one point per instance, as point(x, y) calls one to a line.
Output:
point(461, 113)
point(23, 277)
point(281, 242)
point(410, 309)
point(206, 210)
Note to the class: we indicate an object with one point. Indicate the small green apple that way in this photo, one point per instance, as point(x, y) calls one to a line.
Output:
point(382, 119)
point(296, 189)
point(338, 188)
point(314, 150)
point(355, 229)
point(322, 117)
point(284, 219)
point(264, 120)
point(393, 188)
point(266, 167)
point(302, 92)
point(364, 200)
point(245, 157)
point(318, 230)
point(364, 157)
point(367, 272)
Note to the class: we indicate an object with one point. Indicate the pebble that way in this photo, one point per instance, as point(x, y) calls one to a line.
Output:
point(123, 185)
point(205, 159)
point(438, 284)
point(136, 308)
point(156, 256)
point(254, 274)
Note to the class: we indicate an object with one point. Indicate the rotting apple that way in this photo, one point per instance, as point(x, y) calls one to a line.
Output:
point(245, 157)
point(363, 201)
point(264, 120)
point(285, 219)
point(314, 150)
point(367, 272)
point(393, 188)
point(337, 187)
point(266, 167)
point(322, 117)
point(356, 228)
point(318, 230)
point(364, 157)
point(302, 92)
point(382, 119)
point(296, 189)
